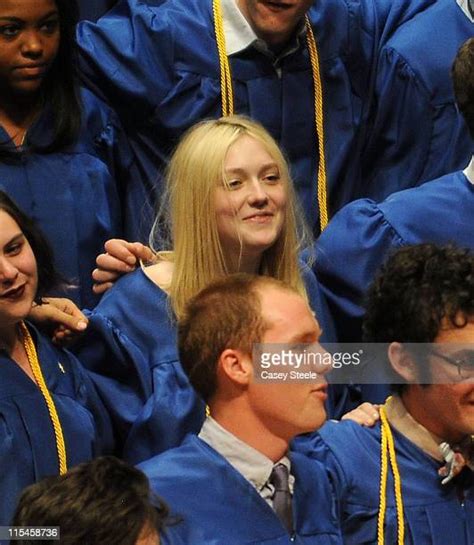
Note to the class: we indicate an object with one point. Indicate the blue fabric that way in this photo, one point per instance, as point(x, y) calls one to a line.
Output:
point(27, 442)
point(80, 196)
point(163, 60)
point(418, 134)
point(359, 238)
point(130, 345)
point(220, 507)
point(434, 515)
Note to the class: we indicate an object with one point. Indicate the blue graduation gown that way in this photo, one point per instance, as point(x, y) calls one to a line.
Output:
point(131, 347)
point(359, 238)
point(78, 195)
point(27, 441)
point(220, 507)
point(434, 514)
point(417, 133)
point(163, 60)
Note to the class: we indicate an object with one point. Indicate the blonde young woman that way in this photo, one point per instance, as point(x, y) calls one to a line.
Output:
point(229, 207)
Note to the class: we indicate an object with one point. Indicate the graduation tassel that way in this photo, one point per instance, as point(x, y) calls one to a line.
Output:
point(387, 453)
point(32, 356)
point(227, 99)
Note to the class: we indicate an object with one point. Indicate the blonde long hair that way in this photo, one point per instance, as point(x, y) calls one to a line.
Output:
point(186, 221)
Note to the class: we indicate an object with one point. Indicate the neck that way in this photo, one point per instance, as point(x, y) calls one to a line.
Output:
point(9, 338)
point(422, 414)
point(236, 417)
point(244, 263)
point(18, 111)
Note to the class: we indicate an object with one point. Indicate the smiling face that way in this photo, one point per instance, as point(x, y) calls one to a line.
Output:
point(29, 42)
point(446, 407)
point(18, 273)
point(290, 408)
point(250, 206)
point(274, 21)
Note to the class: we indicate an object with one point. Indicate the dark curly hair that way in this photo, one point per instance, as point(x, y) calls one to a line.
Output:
point(462, 74)
point(417, 288)
point(101, 502)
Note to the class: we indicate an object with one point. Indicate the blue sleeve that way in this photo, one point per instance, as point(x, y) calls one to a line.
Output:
point(88, 396)
point(348, 254)
point(313, 446)
point(127, 58)
point(119, 370)
point(415, 132)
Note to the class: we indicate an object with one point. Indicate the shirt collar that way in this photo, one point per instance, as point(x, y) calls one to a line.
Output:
point(469, 172)
point(239, 35)
point(403, 421)
point(468, 7)
point(250, 463)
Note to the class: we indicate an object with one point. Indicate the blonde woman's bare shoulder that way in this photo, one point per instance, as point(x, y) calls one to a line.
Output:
point(161, 273)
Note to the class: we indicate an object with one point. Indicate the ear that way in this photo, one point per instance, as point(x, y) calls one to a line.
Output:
point(402, 362)
point(236, 366)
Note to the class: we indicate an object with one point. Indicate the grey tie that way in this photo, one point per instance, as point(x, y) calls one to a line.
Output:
point(282, 497)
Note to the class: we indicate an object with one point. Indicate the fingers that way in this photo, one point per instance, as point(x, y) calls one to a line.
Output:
point(120, 257)
point(127, 252)
point(366, 414)
point(100, 288)
point(62, 312)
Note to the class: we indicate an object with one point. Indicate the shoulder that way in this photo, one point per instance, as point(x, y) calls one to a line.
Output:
point(173, 468)
point(449, 199)
point(443, 19)
point(146, 295)
point(360, 219)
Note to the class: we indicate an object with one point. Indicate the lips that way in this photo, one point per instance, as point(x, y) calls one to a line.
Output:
point(259, 217)
point(277, 6)
point(14, 293)
point(31, 70)
point(320, 392)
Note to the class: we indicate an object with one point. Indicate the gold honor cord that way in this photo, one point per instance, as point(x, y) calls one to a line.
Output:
point(227, 94)
point(32, 356)
point(387, 454)
point(227, 99)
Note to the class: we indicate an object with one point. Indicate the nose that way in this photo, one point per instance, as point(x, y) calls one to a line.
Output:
point(8, 272)
point(257, 196)
point(32, 46)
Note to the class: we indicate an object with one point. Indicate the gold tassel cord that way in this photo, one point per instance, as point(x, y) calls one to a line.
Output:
point(227, 94)
point(319, 122)
point(227, 99)
point(32, 356)
point(387, 454)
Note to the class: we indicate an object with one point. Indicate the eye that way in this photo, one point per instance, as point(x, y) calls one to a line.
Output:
point(14, 249)
point(233, 184)
point(466, 363)
point(10, 31)
point(50, 26)
point(272, 178)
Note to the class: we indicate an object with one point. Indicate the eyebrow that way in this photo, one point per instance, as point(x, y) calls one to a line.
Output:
point(238, 170)
point(12, 19)
point(16, 238)
point(307, 337)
